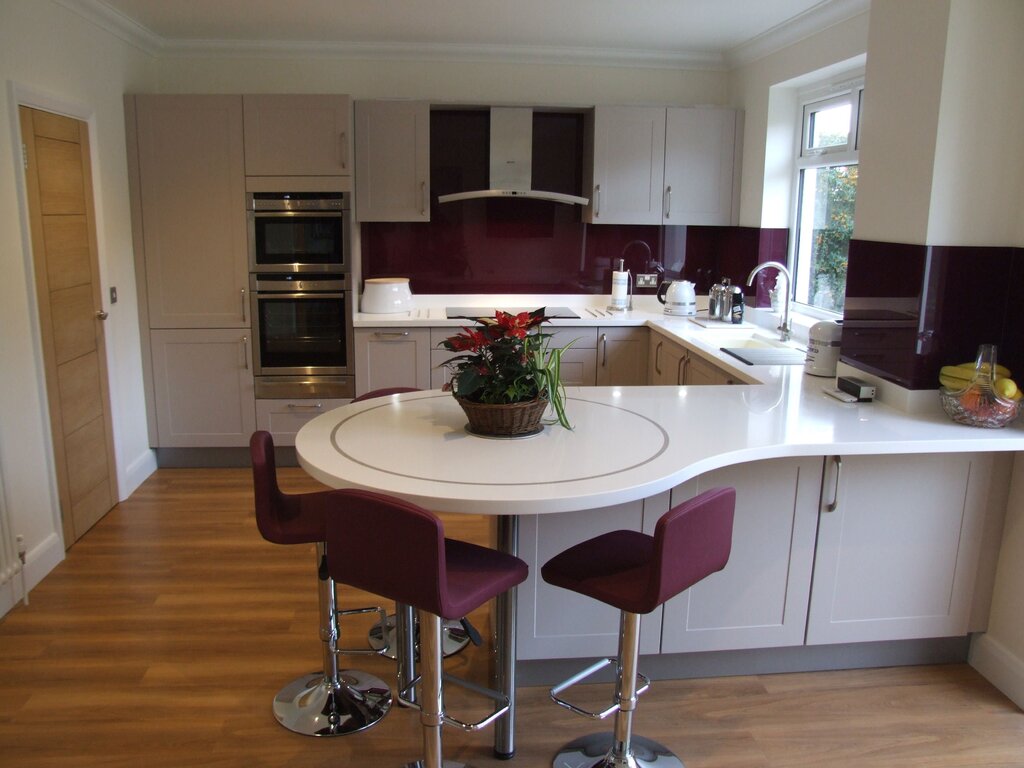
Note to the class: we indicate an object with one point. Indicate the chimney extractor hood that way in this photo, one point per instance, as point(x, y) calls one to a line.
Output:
point(511, 160)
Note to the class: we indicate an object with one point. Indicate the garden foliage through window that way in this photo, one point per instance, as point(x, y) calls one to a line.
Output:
point(826, 186)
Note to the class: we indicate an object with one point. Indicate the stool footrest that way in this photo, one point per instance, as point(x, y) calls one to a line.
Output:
point(583, 675)
point(382, 613)
point(501, 699)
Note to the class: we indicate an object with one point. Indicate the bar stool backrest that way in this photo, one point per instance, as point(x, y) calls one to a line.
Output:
point(392, 548)
point(283, 518)
point(691, 541)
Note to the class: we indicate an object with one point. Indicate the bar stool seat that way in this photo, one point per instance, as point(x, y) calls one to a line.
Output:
point(443, 578)
point(636, 573)
point(330, 702)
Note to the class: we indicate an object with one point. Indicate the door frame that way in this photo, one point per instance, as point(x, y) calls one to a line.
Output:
point(20, 95)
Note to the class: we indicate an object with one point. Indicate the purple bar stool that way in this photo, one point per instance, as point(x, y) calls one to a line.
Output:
point(636, 573)
point(383, 636)
point(331, 702)
point(443, 578)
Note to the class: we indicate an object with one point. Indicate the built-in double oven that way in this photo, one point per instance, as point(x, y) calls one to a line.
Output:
point(301, 294)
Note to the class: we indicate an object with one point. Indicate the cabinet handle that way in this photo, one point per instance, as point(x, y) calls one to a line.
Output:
point(657, 358)
point(245, 313)
point(302, 407)
point(391, 334)
point(835, 497)
point(597, 200)
point(604, 350)
point(684, 365)
point(668, 202)
point(245, 351)
point(344, 149)
point(423, 198)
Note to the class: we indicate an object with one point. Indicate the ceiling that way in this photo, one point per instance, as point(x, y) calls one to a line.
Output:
point(693, 32)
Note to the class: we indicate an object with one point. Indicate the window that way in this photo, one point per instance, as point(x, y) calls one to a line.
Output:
point(826, 187)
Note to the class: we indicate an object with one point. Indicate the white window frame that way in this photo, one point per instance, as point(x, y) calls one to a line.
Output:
point(811, 100)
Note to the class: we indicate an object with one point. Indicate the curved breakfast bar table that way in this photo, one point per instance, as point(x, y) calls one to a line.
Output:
point(628, 443)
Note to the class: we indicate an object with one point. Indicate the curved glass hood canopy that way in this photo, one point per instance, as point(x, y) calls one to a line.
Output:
point(510, 161)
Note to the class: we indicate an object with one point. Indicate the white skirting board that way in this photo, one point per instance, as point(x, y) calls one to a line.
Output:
point(40, 560)
point(999, 666)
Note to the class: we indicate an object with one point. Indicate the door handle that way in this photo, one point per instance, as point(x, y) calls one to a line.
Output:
point(343, 141)
point(657, 358)
point(597, 200)
point(834, 505)
point(245, 351)
point(684, 365)
point(393, 335)
point(604, 350)
point(668, 202)
point(101, 314)
point(423, 198)
point(245, 315)
point(302, 407)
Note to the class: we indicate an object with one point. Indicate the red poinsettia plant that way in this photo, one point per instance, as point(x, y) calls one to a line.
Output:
point(507, 359)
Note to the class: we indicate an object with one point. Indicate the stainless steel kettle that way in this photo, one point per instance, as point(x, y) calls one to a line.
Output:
point(720, 301)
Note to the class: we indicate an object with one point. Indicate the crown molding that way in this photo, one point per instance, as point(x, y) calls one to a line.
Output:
point(116, 23)
point(826, 14)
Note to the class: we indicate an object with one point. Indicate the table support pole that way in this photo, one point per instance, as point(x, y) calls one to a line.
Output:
point(405, 638)
point(505, 644)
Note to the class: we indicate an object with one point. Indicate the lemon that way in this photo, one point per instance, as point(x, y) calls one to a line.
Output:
point(1006, 388)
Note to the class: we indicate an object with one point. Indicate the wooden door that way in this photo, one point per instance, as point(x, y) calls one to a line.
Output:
point(58, 181)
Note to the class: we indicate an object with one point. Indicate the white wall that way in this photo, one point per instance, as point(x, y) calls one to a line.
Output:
point(749, 90)
point(53, 57)
point(979, 148)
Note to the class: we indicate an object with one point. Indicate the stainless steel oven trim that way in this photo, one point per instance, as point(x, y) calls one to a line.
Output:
point(306, 370)
point(345, 215)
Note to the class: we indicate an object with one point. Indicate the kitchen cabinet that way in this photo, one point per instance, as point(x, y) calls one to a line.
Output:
point(667, 359)
point(698, 370)
point(297, 135)
point(204, 387)
point(392, 357)
point(392, 140)
point(622, 355)
point(899, 545)
point(554, 623)
point(759, 600)
point(284, 418)
point(700, 147)
point(652, 165)
point(625, 172)
point(190, 220)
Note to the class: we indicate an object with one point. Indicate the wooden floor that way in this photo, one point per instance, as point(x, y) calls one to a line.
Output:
point(164, 636)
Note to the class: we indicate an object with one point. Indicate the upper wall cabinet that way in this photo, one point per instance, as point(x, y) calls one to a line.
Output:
point(191, 191)
point(392, 160)
point(662, 166)
point(297, 135)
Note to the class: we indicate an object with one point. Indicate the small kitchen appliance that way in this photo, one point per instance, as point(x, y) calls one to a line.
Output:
point(679, 298)
point(298, 232)
point(383, 295)
point(823, 348)
point(720, 301)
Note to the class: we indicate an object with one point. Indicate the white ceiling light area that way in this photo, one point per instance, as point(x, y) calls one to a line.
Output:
point(708, 33)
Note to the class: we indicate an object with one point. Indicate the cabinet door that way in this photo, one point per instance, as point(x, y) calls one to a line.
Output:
point(892, 560)
point(622, 356)
point(759, 600)
point(667, 360)
point(392, 160)
point(554, 623)
point(203, 384)
point(284, 418)
point(628, 165)
point(192, 196)
point(698, 371)
point(392, 357)
point(700, 145)
point(297, 135)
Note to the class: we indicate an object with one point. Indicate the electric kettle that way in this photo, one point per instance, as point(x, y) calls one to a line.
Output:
point(679, 297)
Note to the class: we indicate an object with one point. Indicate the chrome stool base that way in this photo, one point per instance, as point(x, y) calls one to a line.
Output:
point(453, 637)
point(593, 751)
point(313, 706)
point(444, 764)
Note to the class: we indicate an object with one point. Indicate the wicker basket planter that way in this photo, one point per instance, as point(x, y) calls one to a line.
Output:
point(510, 420)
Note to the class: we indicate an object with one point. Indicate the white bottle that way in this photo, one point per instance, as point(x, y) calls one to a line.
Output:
point(823, 349)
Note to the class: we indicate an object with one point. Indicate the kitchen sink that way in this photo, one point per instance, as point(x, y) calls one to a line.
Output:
point(746, 341)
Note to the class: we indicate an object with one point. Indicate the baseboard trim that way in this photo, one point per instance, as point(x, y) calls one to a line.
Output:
point(135, 474)
point(39, 561)
point(999, 666)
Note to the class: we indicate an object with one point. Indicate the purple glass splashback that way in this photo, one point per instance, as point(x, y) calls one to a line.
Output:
point(910, 309)
point(517, 245)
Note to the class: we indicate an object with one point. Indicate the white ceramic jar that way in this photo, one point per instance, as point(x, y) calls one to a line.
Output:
point(383, 295)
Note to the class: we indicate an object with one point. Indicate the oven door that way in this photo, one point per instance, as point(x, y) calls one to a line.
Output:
point(298, 241)
point(302, 334)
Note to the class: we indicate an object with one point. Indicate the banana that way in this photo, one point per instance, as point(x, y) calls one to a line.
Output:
point(952, 383)
point(1002, 372)
point(957, 372)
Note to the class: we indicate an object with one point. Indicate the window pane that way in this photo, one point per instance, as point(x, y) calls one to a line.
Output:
point(824, 228)
point(829, 127)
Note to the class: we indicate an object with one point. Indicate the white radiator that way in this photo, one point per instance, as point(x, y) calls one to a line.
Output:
point(9, 562)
